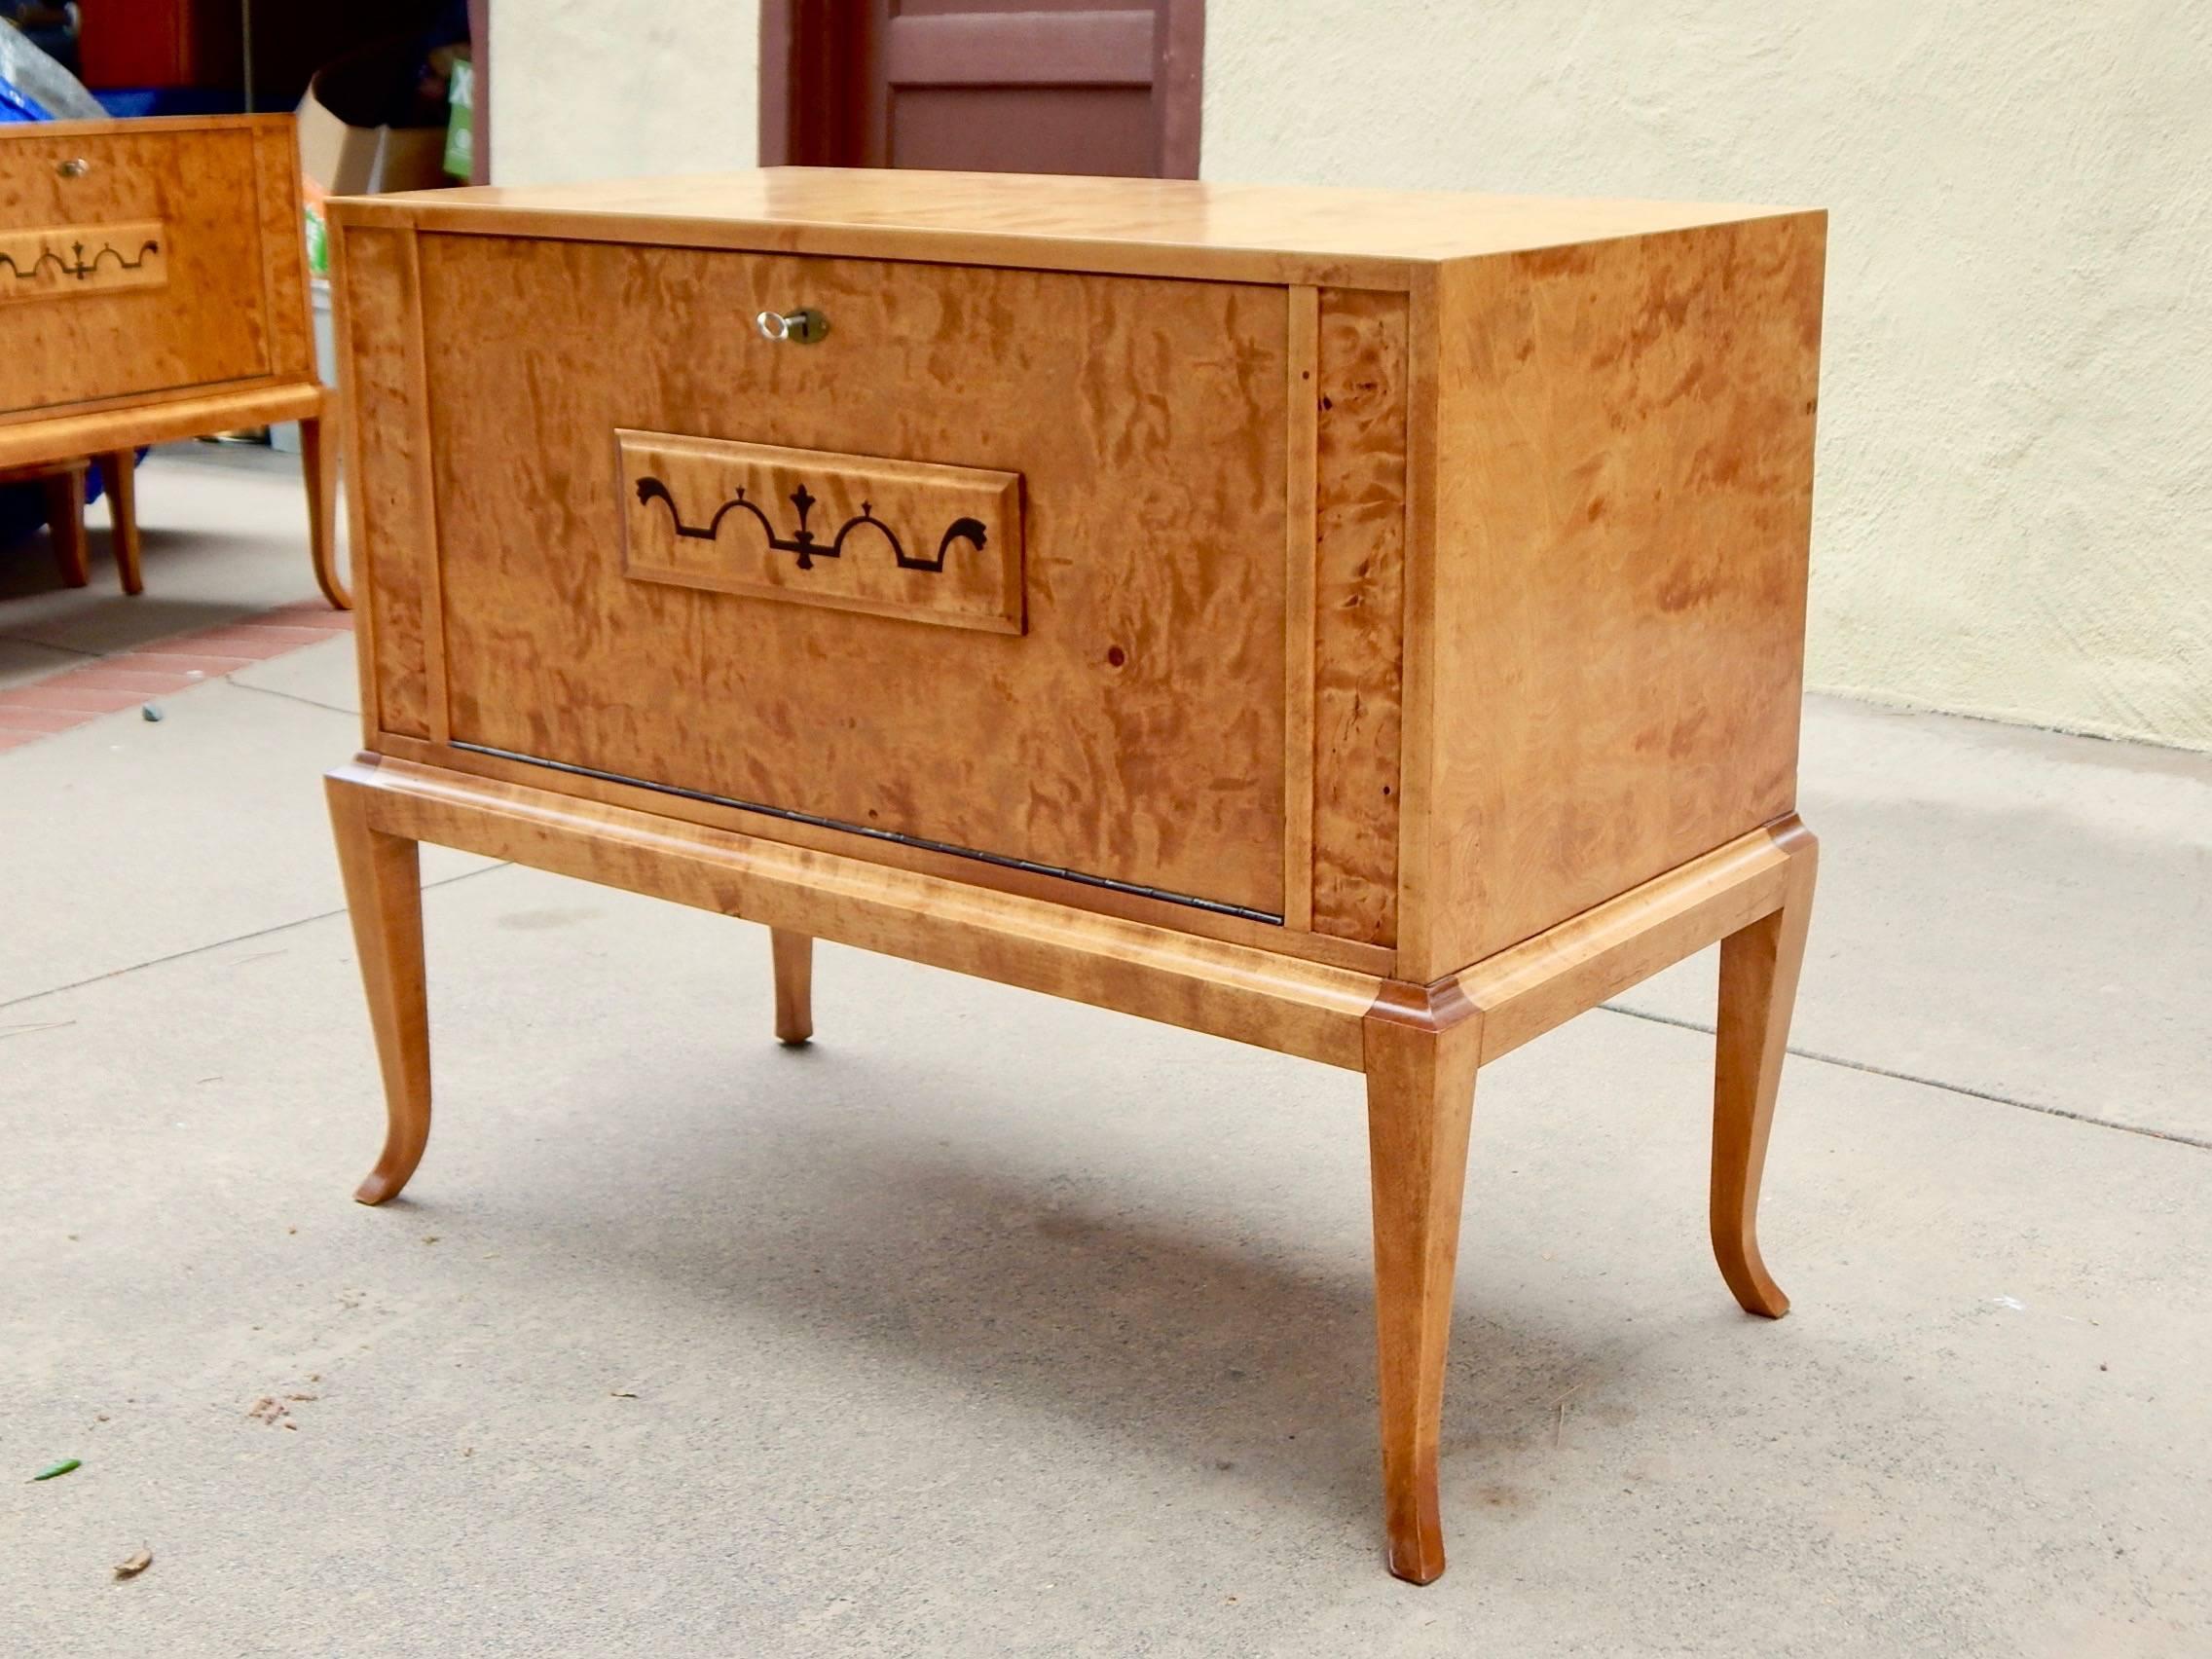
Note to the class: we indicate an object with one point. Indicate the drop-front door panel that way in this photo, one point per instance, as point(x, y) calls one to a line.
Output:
point(1120, 715)
point(132, 262)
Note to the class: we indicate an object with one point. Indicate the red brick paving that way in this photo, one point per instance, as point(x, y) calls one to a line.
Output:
point(108, 684)
point(255, 638)
point(66, 695)
point(106, 679)
point(156, 660)
point(41, 721)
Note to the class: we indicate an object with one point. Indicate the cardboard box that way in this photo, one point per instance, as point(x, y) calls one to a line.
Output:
point(344, 147)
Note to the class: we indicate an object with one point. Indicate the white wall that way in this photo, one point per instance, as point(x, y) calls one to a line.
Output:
point(2015, 507)
point(583, 89)
point(2013, 514)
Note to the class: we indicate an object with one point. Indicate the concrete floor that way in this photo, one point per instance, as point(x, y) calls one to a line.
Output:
point(994, 1325)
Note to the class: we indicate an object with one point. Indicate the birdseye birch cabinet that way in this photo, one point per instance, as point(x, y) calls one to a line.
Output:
point(154, 286)
point(1366, 625)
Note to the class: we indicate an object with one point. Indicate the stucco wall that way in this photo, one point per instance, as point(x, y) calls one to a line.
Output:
point(2015, 510)
point(586, 90)
point(2013, 515)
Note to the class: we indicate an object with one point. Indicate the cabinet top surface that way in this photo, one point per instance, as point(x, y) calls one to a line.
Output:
point(944, 214)
point(124, 127)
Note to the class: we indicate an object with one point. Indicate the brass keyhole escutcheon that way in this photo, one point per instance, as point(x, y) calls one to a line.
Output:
point(801, 327)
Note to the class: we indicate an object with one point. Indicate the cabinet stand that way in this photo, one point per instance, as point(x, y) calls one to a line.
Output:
point(1419, 1047)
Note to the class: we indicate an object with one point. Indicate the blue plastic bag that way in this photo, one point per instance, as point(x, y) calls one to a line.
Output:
point(33, 87)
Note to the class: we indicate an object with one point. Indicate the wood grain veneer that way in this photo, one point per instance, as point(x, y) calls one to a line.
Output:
point(153, 286)
point(1137, 721)
point(1624, 481)
point(206, 323)
point(1359, 542)
point(1393, 648)
point(1354, 238)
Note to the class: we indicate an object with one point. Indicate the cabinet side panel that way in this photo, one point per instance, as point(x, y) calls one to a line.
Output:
point(1358, 611)
point(1625, 504)
point(380, 345)
point(283, 250)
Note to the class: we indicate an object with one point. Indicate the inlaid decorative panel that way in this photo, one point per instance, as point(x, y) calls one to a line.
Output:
point(903, 539)
point(82, 259)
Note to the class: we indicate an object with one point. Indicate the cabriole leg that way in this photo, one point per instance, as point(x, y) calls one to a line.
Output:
point(1758, 989)
point(319, 460)
point(384, 893)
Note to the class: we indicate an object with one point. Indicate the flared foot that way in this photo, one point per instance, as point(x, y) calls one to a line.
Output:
point(1758, 990)
point(319, 460)
point(1421, 1060)
point(384, 896)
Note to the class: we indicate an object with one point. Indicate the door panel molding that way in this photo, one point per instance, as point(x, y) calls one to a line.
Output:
point(980, 49)
point(833, 70)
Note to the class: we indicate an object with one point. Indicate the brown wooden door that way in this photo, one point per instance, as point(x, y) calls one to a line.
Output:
point(983, 86)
